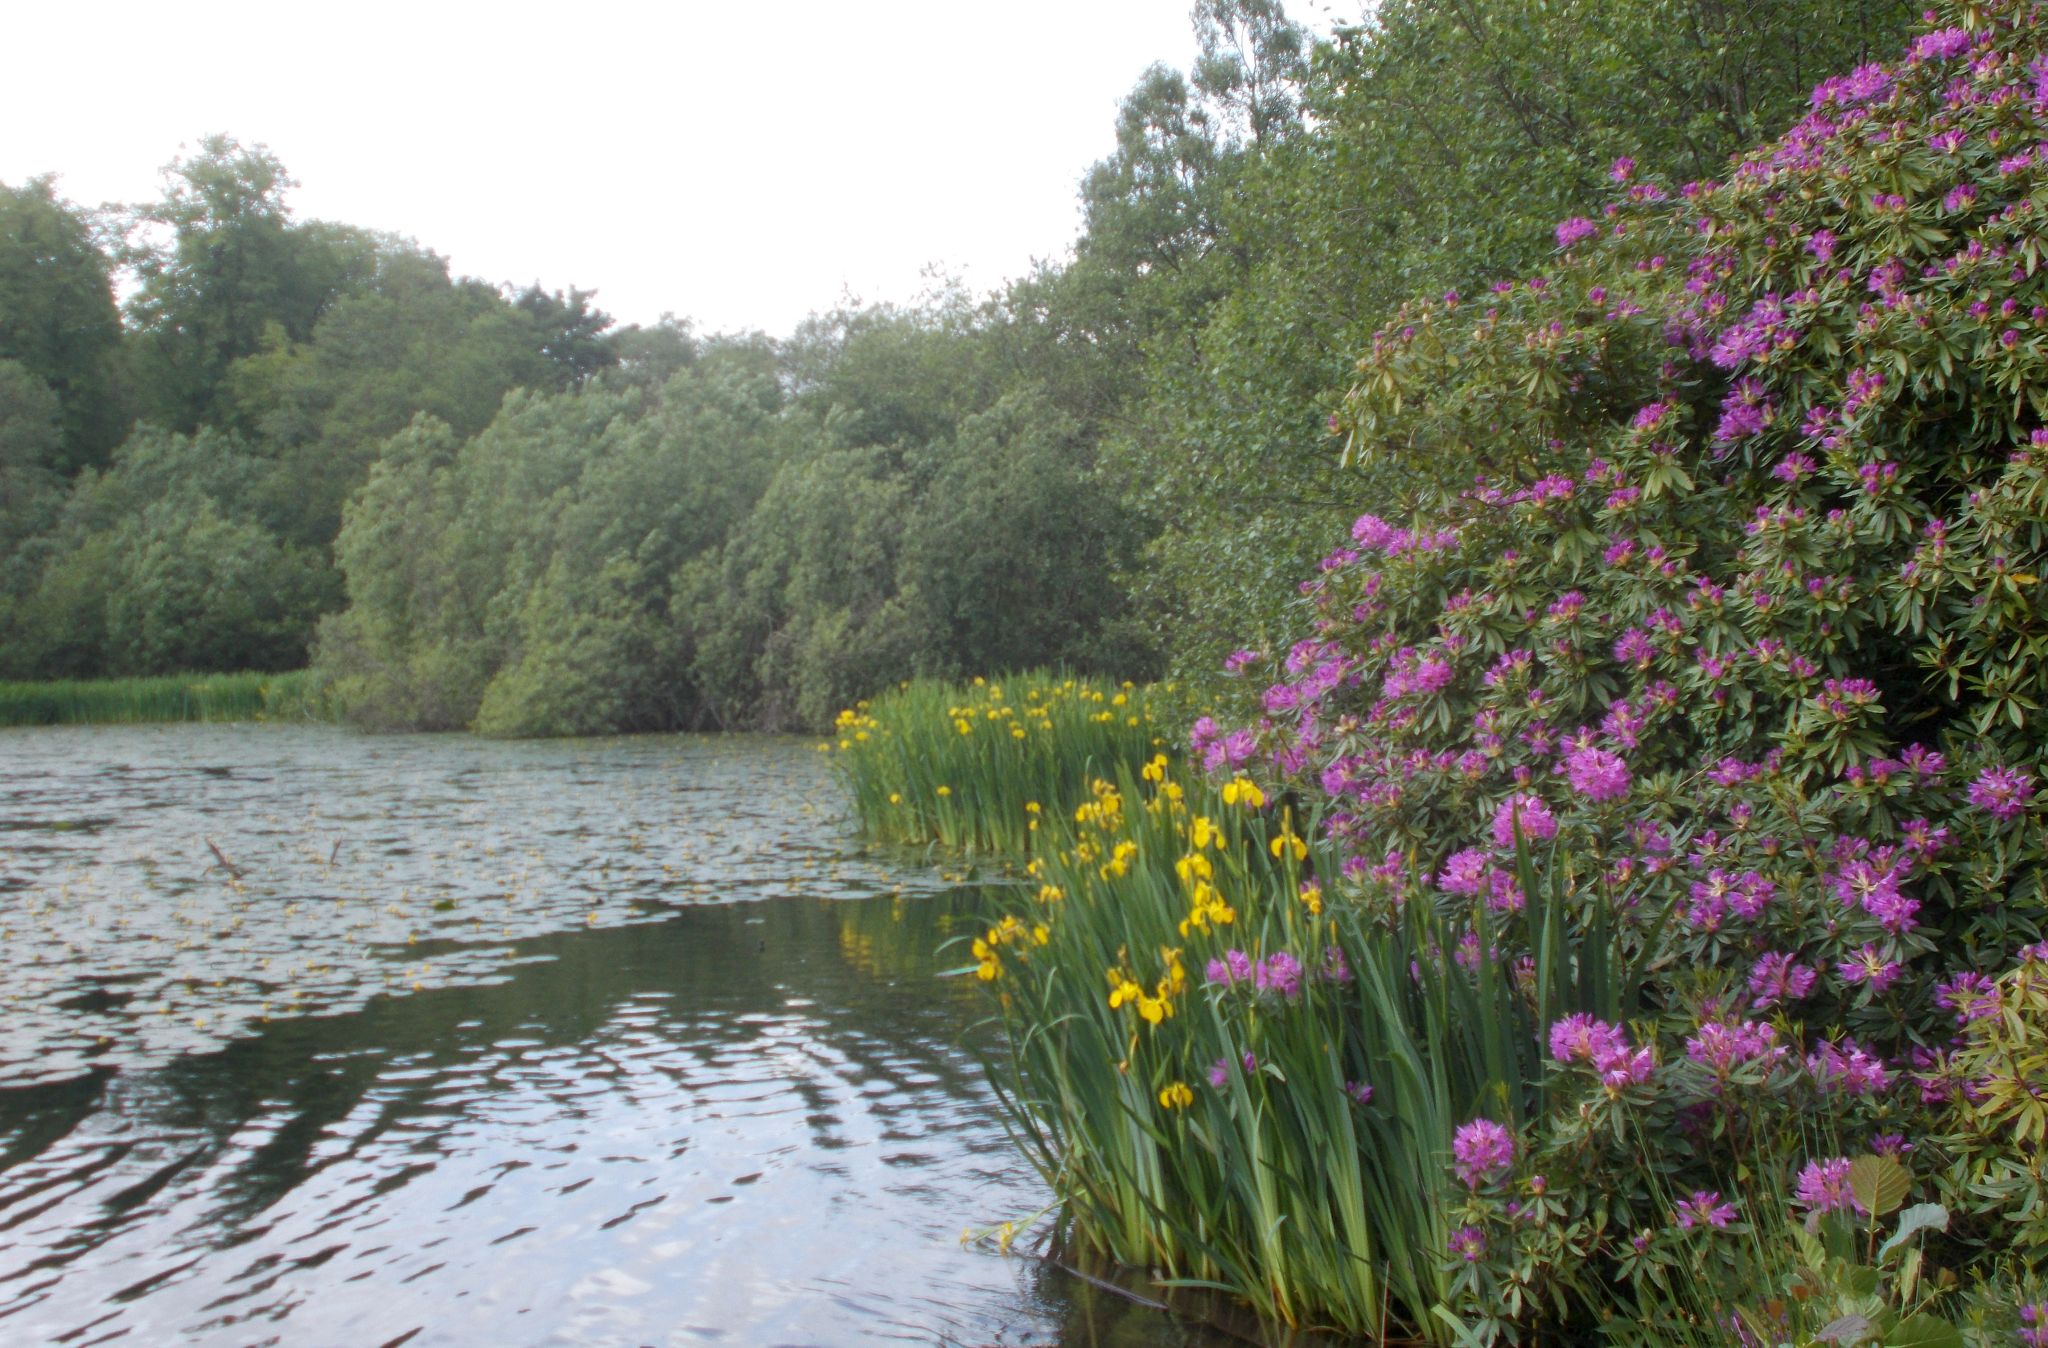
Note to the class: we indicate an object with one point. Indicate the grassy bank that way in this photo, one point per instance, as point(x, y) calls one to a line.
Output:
point(171, 697)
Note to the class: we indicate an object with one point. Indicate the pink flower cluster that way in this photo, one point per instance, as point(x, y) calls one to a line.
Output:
point(1823, 1186)
point(1579, 1038)
point(1721, 1047)
point(2003, 792)
point(1482, 1151)
point(1705, 1208)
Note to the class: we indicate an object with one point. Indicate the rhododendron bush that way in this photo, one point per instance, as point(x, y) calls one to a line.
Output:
point(1728, 616)
point(1621, 913)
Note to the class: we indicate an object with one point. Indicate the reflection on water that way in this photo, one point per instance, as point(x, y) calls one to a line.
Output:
point(641, 1117)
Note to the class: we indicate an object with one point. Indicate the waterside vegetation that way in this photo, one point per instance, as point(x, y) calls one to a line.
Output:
point(198, 697)
point(976, 767)
point(1620, 913)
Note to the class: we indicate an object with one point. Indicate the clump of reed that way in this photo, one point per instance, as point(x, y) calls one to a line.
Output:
point(976, 767)
point(172, 697)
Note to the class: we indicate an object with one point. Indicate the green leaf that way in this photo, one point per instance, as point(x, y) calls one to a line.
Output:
point(1920, 1217)
point(1879, 1183)
point(1924, 1331)
point(1850, 1329)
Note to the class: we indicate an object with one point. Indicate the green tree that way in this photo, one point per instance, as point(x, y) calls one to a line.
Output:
point(801, 611)
point(31, 495)
point(1018, 553)
point(1252, 65)
point(218, 262)
point(160, 563)
point(570, 333)
point(409, 341)
point(58, 320)
point(523, 582)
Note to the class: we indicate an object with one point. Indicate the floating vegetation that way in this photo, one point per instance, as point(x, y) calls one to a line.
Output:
point(171, 888)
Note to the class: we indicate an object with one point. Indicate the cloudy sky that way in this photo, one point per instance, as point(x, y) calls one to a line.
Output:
point(742, 164)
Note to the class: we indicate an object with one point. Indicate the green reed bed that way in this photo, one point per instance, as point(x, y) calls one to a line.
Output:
point(173, 697)
point(975, 767)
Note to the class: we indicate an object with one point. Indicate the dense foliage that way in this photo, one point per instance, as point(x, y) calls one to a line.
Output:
point(1137, 429)
point(1641, 897)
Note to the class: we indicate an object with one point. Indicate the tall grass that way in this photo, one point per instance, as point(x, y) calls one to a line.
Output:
point(175, 697)
point(974, 767)
point(1215, 1127)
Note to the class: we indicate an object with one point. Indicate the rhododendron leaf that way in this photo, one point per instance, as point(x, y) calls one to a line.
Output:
point(1920, 1217)
point(1849, 1329)
point(1924, 1331)
point(1879, 1183)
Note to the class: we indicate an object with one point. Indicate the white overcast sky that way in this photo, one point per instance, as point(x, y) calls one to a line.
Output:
point(738, 163)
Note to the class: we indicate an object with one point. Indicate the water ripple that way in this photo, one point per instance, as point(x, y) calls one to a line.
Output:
point(326, 1040)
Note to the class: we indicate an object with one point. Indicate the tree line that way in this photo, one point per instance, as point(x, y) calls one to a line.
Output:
point(488, 506)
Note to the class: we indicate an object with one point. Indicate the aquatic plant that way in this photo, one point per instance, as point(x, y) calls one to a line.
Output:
point(975, 766)
point(177, 697)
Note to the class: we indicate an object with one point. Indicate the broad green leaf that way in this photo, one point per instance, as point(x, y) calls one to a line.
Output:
point(1924, 1331)
point(1920, 1217)
point(1879, 1183)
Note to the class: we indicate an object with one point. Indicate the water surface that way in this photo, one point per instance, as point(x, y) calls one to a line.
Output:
point(318, 1039)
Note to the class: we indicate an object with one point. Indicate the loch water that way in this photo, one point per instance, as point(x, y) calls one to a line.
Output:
point(315, 1038)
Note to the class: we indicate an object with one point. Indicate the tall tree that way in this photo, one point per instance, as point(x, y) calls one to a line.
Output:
point(218, 262)
point(1253, 63)
point(57, 317)
point(570, 332)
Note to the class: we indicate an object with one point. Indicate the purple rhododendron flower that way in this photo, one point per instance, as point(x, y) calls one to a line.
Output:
point(1234, 967)
point(1464, 873)
point(1723, 1047)
point(1847, 1068)
point(1823, 1186)
point(2002, 791)
point(1526, 810)
point(1281, 973)
point(1971, 996)
point(1871, 967)
point(1596, 774)
point(1581, 1038)
point(1575, 231)
point(1219, 1071)
point(1705, 1208)
point(1482, 1151)
point(1778, 977)
point(1744, 412)
point(1943, 45)
point(2034, 1325)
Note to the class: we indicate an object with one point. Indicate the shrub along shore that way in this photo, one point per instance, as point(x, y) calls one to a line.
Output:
point(1620, 916)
